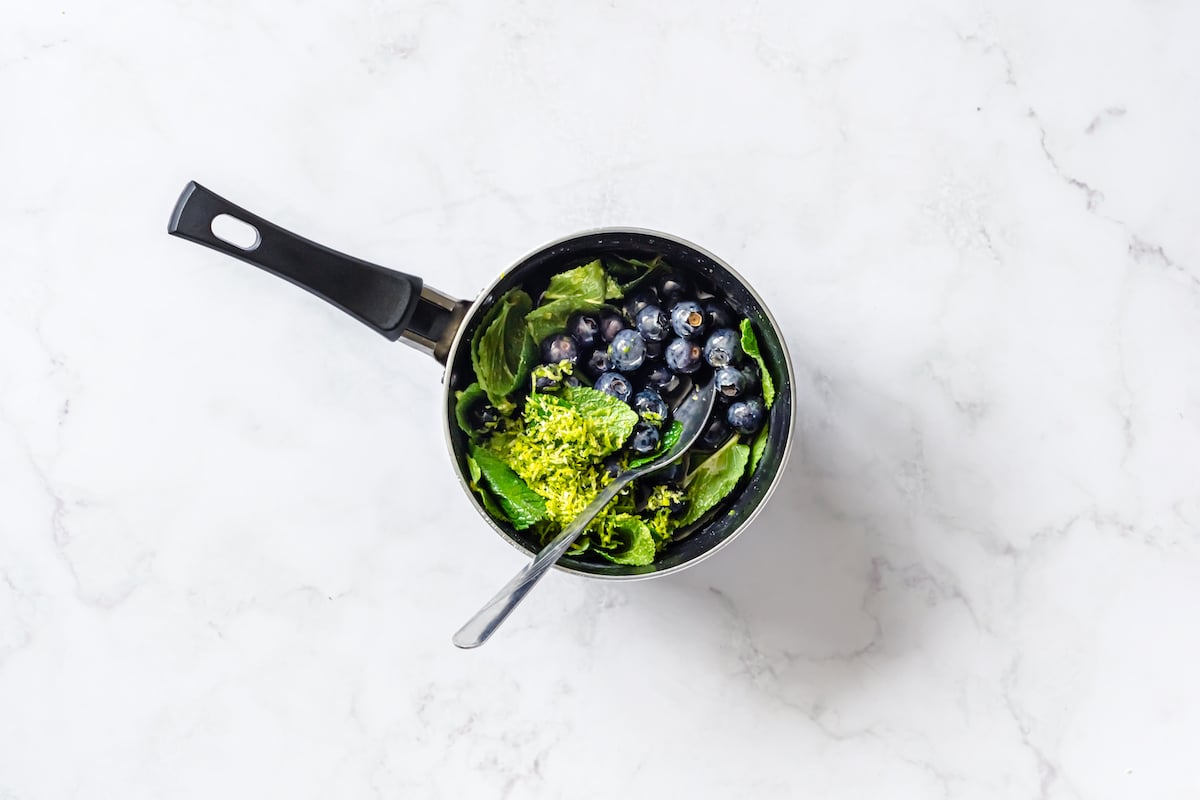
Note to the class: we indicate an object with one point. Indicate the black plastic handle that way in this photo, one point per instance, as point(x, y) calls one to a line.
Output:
point(380, 298)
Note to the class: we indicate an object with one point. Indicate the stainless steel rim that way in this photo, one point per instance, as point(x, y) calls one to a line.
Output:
point(787, 444)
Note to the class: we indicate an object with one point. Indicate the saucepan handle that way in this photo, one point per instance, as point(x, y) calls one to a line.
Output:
point(382, 299)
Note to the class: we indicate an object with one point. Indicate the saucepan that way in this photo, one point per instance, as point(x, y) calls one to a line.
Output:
point(402, 306)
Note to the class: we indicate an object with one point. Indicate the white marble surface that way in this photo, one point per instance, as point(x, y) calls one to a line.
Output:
point(232, 550)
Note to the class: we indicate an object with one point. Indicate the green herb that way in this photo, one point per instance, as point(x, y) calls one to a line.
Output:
point(489, 503)
point(502, 350)
point(757, 448)
point(465, 401)
point(521, 505)
point(585, 284)
point(709, 483)
point(558, 446)
point(552, 317)
point(611, 419)
point(750, 347)
point(583, 289)
point(633, 543)
point(629, 273)
point(669, 439)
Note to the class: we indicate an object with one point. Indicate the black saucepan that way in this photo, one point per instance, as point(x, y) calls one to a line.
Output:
point(400, 306)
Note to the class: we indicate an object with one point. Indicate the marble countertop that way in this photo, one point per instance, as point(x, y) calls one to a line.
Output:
point(232, 548)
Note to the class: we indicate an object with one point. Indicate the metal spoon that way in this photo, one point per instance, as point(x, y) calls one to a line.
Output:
point(692, 413)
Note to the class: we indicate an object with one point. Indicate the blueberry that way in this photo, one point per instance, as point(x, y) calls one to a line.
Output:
point(730, 382)
point(572, 380)
point(654, 350)
point(679, 504)
point(649, 403)
point(640, 298)
point(559, 347)
point(644, 439)
point(723, 348)
point(597, 363)
point(612, 465)
point(615, 384)
point(719, 315)
point(746, 416)
point(687, 318)
point(627, 351)
point(684, 356)
point(672, 286)
point(715, 434)
point(585, 328)
point(544, 383)
point(483, 416)
point(652, 323)
point(662, 377)
point(611, 323)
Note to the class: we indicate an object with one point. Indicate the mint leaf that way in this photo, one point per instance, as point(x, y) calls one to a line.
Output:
point(669, 439)
point(521, 505)
point(584, 288)
point(502, 351)
point(466, 400)
point(608, 418)
point(586, 284)
point(750, 347)
point(634, 544)
point(489, 503)
point(629, 273)
point(709, 483)
point(552, 317)
point(756, 449)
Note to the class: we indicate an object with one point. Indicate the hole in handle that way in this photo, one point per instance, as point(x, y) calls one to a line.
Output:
point(233, 231)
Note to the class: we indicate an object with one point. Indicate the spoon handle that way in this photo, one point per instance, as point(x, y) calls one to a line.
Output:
point(480, 627)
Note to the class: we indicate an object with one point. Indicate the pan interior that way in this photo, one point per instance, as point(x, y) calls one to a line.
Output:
point(533, 273)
